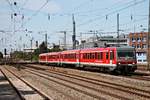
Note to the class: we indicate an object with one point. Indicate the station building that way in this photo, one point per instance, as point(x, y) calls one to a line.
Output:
point(103, 41)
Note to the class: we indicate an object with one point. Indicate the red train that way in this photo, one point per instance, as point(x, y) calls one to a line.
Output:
point(113, 59)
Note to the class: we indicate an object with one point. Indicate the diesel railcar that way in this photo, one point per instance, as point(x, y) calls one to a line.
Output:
point(113, 59)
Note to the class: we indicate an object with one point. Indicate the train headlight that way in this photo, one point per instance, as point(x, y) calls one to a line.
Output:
point(119, 63)
point(133, 63)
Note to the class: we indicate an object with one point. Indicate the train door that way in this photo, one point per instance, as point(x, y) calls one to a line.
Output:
point(78, 59)
point(111, 56)
point(107, 57)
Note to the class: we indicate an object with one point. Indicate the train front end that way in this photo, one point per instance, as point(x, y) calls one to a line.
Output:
point(126, 59)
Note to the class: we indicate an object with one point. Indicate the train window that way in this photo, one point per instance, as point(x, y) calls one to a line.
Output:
point(100, 55)
point(75, 56)
point(96, 55)
point(85, 55)
point(55, 57)
point(71, 56)
point(107, 56)
point(67, 56)
point(88, 55)
point(92, 55)
point(111, 55)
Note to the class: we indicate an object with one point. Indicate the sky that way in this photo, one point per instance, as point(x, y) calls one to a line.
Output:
point(35, 18)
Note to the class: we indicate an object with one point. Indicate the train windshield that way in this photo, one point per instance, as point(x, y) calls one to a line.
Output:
point(126, 54)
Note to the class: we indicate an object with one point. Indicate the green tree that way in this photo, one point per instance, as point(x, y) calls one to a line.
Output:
point(1, 55)
point(56, 48)
point(43, 48)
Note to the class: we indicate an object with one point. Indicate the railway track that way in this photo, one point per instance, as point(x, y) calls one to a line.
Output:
point(139, 76)
point(13, 87)
point(143, 78)
point(70, 86)
point(61, 83)
point(135, 75)
point(126, 89)
point(20, 92)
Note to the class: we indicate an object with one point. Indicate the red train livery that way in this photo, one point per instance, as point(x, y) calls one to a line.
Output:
point(114, 59)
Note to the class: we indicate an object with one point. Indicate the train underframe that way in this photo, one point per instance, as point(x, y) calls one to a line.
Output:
point(125, 69)
point(119, 69)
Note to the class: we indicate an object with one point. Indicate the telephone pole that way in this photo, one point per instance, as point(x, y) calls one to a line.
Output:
point(74, 33)
point(46, 41)
point(31, 48)
point(65, 44)
point(148, 41)
point(118, 29)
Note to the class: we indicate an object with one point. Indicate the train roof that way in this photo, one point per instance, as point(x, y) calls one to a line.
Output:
point(49, 53)
point(70, 51)
point(90, 50)
point(42, 54)
point(53, 53)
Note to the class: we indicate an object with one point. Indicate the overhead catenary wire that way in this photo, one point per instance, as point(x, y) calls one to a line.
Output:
point(25, 2)
point(106, 8)
point(82, 13)
point(37, 11)
point(102, 9)
point(110, 13)
point(11, 7)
